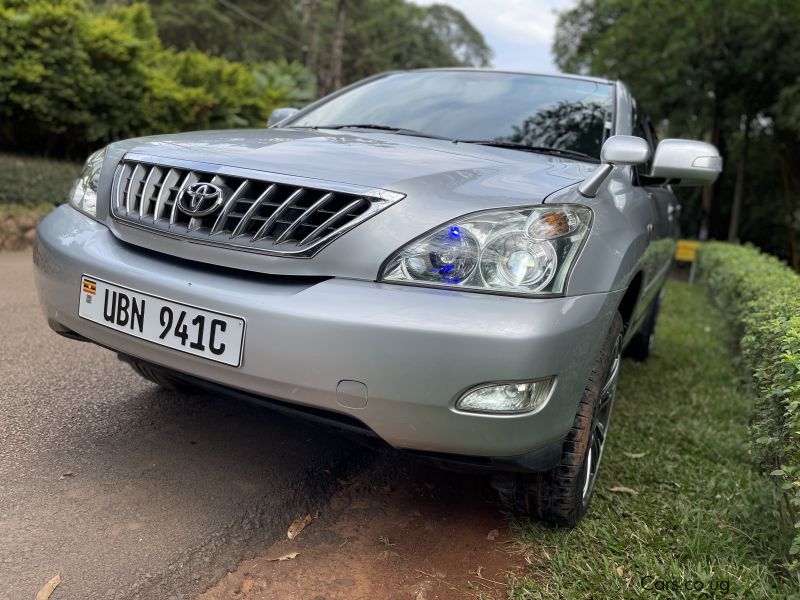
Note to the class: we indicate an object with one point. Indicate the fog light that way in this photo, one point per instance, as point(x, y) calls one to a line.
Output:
point(507, 398)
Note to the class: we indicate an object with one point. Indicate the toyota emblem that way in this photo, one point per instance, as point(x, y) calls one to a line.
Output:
point(199, 199)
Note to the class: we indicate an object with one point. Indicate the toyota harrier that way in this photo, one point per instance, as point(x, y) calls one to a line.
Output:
point(451, 261)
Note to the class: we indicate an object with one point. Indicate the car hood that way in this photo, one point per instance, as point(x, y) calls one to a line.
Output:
point(441, 181)
point(380, 160)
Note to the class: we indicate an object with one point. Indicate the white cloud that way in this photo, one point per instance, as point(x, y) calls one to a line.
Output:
point(520, 31)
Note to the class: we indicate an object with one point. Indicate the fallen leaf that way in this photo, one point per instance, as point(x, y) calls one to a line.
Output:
point(48, 588)
point(299, 524)
point(620, 570)
point(289, 556)
point(621, 489)
point(492, 535)
point(635, 454)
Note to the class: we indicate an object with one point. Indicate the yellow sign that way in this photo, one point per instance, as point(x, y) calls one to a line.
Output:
point(685, 250)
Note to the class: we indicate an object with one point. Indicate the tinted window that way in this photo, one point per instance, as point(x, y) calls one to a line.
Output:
point(534, 110)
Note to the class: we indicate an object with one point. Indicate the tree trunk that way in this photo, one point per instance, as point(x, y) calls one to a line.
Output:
point(741, 177)
point(707, 204)
point(338, 46)
point(312, 22)
point(789, 205)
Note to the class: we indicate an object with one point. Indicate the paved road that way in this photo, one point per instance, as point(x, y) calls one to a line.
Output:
point(128, 491)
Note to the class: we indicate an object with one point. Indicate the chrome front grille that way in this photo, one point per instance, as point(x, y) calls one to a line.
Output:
point(261, 212)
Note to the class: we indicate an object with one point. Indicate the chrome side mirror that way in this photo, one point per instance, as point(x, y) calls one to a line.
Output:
point(618, 150)
point(686, 162)
point(281, 114)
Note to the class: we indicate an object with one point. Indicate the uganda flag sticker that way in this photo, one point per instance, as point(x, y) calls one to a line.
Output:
point(89, 286)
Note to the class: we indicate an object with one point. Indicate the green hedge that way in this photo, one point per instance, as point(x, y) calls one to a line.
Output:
point(761, 296)
point(35, 181)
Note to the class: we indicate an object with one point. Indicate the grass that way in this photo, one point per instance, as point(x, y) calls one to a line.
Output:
point(702, 517)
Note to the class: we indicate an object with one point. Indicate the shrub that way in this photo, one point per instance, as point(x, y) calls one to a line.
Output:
point(35, 181)
point(73, 79)
point(761, 296)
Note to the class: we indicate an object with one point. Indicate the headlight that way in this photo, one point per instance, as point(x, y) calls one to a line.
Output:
point(84, 191)
point(522, 250)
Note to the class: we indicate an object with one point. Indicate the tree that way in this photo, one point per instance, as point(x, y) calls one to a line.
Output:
point(711, 69)
point(337, 46)
point(369, 35)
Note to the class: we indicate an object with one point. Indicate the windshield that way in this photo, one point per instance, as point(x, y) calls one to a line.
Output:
point(531, 110)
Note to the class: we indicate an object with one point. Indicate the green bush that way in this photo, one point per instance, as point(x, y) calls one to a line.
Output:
point(35, 181)
point(74, 78)
point(761, 296)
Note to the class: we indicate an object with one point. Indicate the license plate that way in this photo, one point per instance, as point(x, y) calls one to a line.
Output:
point(212, 335)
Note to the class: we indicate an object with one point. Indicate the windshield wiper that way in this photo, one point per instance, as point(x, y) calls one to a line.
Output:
point(387, 128)
point(537, 149)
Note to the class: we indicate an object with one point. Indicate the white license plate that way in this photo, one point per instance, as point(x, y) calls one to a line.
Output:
point(212, 335)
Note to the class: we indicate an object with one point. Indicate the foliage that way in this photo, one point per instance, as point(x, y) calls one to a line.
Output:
point(380, 35)
point(703, 69)
point(701, 512)
point(273, 31)
point(72, 79)
point(761, 296)
point(285, 83)
point(33, 181)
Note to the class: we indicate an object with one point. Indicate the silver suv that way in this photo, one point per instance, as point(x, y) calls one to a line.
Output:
point(451, 261)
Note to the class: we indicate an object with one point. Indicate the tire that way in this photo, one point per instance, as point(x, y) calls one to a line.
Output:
point(158, 376)
point(562, 495)
point(641, 345)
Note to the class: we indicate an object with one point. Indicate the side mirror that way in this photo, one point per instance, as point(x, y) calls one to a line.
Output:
point(625, 150)
point(618, 150)
point(687, 162)
point(281, 114)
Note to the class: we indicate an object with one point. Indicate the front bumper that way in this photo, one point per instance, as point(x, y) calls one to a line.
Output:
point(415, 349)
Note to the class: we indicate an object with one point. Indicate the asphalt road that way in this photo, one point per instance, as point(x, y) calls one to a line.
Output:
point(128, 491)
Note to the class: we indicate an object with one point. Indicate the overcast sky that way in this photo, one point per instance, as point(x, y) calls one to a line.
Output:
point(519, 31)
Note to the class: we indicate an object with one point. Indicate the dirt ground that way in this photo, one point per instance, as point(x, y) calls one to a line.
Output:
point(400, 530)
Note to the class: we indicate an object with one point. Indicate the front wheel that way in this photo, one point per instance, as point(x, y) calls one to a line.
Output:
point(158, 376)
point(562, 495)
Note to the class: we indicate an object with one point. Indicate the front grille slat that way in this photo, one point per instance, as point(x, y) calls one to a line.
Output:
point(148, 189)
point(328, 222)
point(254, 207)
point(267, 227)
point(262, 212)
point(131, 189)
point(229, 206)
point(164, 191)
point(302, 218)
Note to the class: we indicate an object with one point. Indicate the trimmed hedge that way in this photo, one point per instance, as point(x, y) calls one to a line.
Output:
point(761, 296)
point(34, 181)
